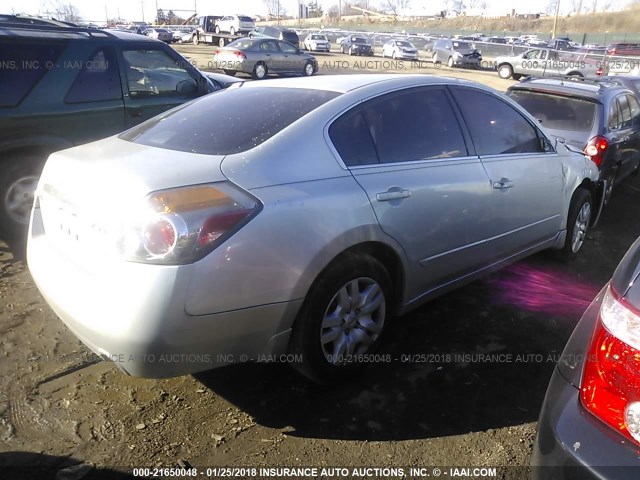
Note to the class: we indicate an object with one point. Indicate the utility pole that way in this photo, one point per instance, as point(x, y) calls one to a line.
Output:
point(106, 15)
point(278, 12)
point(142, 3)
point(555, 20)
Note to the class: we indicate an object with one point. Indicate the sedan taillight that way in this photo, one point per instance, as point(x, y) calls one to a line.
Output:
point(610, 387)
point(596, 149)
point(182, 225)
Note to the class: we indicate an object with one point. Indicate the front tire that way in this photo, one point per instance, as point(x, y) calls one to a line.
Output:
point(231, 73)
point(217, 30)
point(578, 222)
point(308, 69)
point(343, 316)
point(232, 31)
point(450, 63)
point(195, 40)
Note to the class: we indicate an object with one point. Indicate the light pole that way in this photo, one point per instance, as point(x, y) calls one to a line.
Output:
point(555, 20)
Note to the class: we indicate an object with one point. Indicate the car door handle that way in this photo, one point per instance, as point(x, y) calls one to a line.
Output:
point(503, 184)
point(393, 195)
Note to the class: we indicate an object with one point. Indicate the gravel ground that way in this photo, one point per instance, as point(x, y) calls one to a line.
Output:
point(436, 403)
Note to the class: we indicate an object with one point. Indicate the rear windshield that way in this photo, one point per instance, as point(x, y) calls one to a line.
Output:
point(244, 44)
point(245, 19)
point(557, 112)
point(230, 121)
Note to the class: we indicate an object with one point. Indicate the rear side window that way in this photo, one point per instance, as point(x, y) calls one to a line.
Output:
point(625, 112)
point(230, 121)
point(351, 138)
point(633, 106)
point(495, 126)
point(22, 66)
point(418, 124)
point(98, 80)
point(557, 112)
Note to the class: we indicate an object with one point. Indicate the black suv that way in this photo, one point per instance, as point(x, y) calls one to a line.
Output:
point(356, 45)
point(600, 118)
point(62, 85)
point(283, 34)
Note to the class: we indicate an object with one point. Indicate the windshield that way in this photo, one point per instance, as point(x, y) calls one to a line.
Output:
point(462, 46)
point(404, 44)
point(557, 112)
point(358, 40)
point(229, 121)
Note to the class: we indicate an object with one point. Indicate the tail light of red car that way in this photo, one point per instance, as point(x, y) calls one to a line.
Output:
point(610, 387)
point(182, 225)
point(596, 149)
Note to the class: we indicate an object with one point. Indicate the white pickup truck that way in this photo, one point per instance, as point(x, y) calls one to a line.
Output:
point(541, 62)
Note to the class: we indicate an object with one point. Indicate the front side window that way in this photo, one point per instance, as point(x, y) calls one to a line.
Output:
point(287, 47)
point(98, 81)
point(155, 73)
point(496, 127)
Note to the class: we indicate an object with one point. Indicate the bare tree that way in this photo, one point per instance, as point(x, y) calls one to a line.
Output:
point(66, 12)
point(334, 12)
point(458, 6)
point(394, 6)
point(272, 7)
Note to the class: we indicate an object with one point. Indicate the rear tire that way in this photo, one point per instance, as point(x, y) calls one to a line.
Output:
point(260, 71)
point(217, 30)
point(195, 40)
point(505, 71)
point(343, 316)
point(578, 223)
point(17, 189)
point(232, 31)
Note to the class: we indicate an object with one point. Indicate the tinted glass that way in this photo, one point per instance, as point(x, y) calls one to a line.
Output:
point(290, 37)
point(153, 73)
point(415, 125)
point(625, 113)
point(557, 112)
point(229, 121)
point(495, 126)
point(461, 46)
point(613, 118)
point(350, 135)
point(245, 19)
point(287, 47)
point(22, 66)
point(244, 44)
point(98, 81)
point(633, 105)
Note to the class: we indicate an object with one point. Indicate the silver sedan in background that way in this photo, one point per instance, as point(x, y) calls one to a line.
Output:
point(401, 49)
point(296, 217)
point(260, 57)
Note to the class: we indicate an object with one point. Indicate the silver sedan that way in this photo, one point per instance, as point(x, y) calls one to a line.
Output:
point(260, 57)
point(292, 219)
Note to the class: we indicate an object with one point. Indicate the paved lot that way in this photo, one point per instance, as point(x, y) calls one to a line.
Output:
point(430, 406)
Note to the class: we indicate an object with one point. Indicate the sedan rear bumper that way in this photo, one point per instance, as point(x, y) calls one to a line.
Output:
point(573, 444)
point(134, 314)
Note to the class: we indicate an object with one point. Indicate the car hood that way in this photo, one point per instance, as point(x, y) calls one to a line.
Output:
point(466, 51)
point(112, 175)
point(626, 279)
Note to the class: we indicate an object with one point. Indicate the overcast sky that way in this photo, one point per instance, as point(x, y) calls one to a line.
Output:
point(94, 10)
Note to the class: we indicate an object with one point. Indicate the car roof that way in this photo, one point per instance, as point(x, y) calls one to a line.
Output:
point(346, 83)
point(68, 32)
point(592, 89)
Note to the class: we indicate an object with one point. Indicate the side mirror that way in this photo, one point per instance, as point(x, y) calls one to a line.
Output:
point(187, 87)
